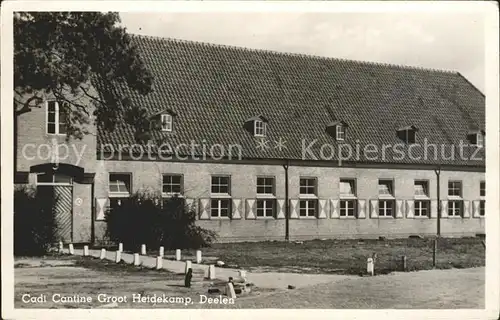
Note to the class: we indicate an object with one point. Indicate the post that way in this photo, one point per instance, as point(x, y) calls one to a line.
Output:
point(434, 251)
point(162, 252)
point(143, 249)
point(211, 272)
point(438, 222)
point(103, 254)
point(118, 256)
point(403, 262)
point(71, 249)
point(137, 260)
point(230, 290)
point(85, 251)
point(159, 262)
point(198, 256)
point(287, 205)
point(370, 268)
point(120, 247)
point(243, 275)
point(178, 254)
point(61, 247)
point(188, 266)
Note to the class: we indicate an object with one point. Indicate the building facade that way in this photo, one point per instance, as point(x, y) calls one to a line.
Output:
point(348, 149)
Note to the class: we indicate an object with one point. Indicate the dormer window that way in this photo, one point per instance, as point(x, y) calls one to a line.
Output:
point(408, 134)
point(257, 126)
point(476, 138)
point(337, 129)
point(166, 122)
point(259, 129)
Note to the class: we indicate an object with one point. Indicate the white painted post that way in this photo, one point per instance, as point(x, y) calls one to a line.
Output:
point(120, 247)
point(178, 254)
point(159, 262)
point(370, 267)
point(198, 256)
point(143, 249)
point(118, 256)
point(136, 259)
point(85, 251)
point(188, 266)
point(71, 249)
point(162, 252)
point(230, 290)
point(103, 254)
point(211, 272)
point(61, 247)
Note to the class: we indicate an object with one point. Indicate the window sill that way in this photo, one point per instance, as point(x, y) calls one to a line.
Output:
point(57, 134)
point(385, 217)
point(265, 218)
point(422, 198)
point(266, 196)
point(220, 218)
point(482, 198)
point(454, 217)
point(421, 217)
point(307, 217)
point(348, 197)
point(118, 195)
point(308, 197)
point(172, 195)
point(348, 217)
point(220, 195)
point(386, 197)
point(457, 198)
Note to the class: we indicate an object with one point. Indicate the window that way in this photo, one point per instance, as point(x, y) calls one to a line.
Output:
point(410, 136)
point(220, 185)
point(455, 188)
point(307, 186)
point(476, 139)
point(340, 132)
point(119, 183)
point(307, 208)
point(385, 188)
point(220, 207)
point(347, 208)
point(56, 118)
point(385, 208)
point(482, 189)
point(166, 122)
point(421, 208)
point(265, 208)
point(49, 178)
point(482, 207)
point(421, 188)
point(347, 188)
point(454, 208)
point(259, 128)
point(265, 186)
point(172, 184)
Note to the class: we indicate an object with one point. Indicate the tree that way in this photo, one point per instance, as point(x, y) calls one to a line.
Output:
point(64, 53)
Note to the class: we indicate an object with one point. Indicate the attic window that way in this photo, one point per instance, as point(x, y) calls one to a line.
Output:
point(259, 129)
point(337, 129)
point(340, 132)
point(476, 139)
point(408, 134)
point(166, 122)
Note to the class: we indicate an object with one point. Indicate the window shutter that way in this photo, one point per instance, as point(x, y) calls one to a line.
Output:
point(399, 208)
point(361, 209)
point(444, 208)
point(373, 208)
point(434, 209)
point(466, 213)
point(190, 203)
point(204, 209)
point(100, 208)
point(236, 209)
point(334, 209)
point(322, 209)
point(410, 209)
point(293, 209)
point(475, 209)
point(280, 209)
point(250, 208)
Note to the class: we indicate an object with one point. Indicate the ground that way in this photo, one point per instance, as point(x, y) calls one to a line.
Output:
point(326, 276)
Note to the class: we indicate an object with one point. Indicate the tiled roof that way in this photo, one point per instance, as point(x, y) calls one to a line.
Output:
point(214, 89)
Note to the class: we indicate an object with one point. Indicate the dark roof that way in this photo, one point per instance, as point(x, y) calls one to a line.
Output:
point(214, 89)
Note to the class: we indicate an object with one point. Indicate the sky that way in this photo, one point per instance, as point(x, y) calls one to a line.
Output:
point(430, 40)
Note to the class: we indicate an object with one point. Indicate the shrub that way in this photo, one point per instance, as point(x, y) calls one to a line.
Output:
point(145, 219)
point(34, 223)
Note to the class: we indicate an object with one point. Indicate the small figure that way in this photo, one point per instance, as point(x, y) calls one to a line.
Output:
point(187, 279)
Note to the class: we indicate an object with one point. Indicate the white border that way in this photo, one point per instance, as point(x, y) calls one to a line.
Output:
point(490, 11)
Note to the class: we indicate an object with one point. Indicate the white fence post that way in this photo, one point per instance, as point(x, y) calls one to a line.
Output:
point(137, 260)
point(211, 272)
point(120, 247)
point(71, 249)
point(178, 254)
point(162, 251)
point(198, 256)
point(188, 266)
point(143, 249)
point(103, 254)
point(118, 256)
point(159, 263)
point(85, 251)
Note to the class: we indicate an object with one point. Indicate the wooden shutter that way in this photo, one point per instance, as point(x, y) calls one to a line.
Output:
point(251, 209)
point(204, 209)
point(361, 209)
point(334, 208)
point(410, 209)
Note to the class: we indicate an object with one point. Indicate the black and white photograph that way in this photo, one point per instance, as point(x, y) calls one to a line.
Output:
point(277, 156)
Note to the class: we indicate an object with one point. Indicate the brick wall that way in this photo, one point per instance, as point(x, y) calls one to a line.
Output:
point(197, 177)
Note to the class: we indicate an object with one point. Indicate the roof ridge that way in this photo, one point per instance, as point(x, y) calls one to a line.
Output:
point(294, 54)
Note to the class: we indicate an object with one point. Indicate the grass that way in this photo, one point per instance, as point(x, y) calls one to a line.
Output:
point(348, 256)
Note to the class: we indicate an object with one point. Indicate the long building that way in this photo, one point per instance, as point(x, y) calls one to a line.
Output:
point(349, 149)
